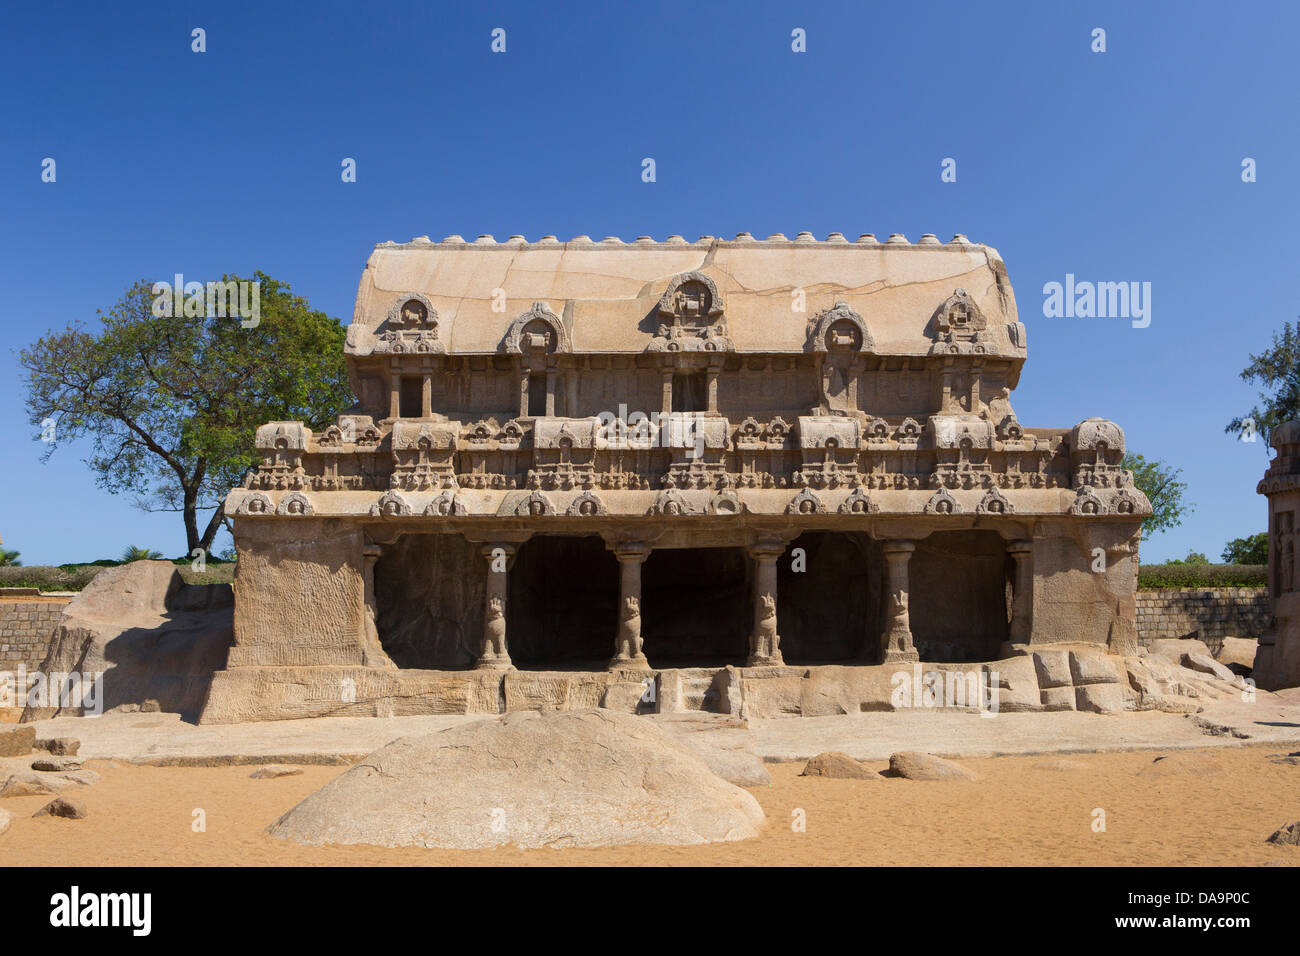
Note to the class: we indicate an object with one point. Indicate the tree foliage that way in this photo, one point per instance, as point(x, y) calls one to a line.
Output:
point(1277, 369)
point(1252, 549)
point(1168, 495)
point(133, 553)
point(170, 405)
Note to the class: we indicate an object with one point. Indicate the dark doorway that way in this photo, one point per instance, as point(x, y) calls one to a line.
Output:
point(690, 392)
point(958, 596)
point(696, 607)
point(412, 397)
point(562, 604)
point(828, 603)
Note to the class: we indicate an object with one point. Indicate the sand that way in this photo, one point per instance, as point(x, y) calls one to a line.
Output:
point(1203, 807)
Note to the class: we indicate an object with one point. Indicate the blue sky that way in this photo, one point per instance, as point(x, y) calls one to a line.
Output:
point(1115, 166)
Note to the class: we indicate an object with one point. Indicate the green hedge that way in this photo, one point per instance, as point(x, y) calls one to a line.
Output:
point(1155, 576)
point(74, 577)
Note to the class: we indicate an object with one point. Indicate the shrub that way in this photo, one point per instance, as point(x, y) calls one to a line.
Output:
point(1154, 576)
point(74, 577)
point(69, 578)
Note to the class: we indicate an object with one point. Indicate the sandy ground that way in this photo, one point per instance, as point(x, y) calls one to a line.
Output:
point(1198, 807)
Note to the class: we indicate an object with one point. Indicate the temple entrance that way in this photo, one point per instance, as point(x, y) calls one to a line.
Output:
point(696, 607)
point(830, 610)
point(959, 589)
point(562, 604)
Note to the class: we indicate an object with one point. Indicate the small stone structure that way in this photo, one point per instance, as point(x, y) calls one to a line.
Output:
point(1207, 614)
point(655, 475)
point(1277, 662)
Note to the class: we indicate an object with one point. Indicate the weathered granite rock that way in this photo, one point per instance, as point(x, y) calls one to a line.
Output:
point(531, 779)
point(64, 807)
point(1172, 649)
point(1238, 654)
point(1207, 665)
point(914, 765)
point(26, 783)
point(837, 765)
point(271, 771)
point(721, 741)
point(6, 818)
point(56, 764)
point(154, 639)
point(1288, 835)
point(59, 746)
point(16, 741)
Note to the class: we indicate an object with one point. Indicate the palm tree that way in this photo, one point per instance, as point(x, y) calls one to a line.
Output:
point(132, 553)
point(9, 559)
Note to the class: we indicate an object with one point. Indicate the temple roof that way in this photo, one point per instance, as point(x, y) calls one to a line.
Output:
point(609, 294)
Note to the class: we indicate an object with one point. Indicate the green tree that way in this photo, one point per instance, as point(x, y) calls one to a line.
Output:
point(1277, 369)
point(1193, 557)
point(132, 553)
point(9, 559)
point(1249, 550)
point(1168, 496)
point(171, 405)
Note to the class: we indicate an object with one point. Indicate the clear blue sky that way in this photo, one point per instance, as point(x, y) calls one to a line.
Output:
point(1123, 165)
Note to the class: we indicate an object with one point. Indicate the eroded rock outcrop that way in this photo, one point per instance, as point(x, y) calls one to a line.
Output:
point(155, 639)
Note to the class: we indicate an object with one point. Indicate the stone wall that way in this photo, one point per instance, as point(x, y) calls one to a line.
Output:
point(25, 629)
point(1210, 614)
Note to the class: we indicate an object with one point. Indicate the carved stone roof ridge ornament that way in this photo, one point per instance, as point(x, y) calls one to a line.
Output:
point(412, 326)
point(838, 328)
point(690, 317)
point(537, 331)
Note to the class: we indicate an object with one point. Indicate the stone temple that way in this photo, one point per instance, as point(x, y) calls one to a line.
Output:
point(658, 476)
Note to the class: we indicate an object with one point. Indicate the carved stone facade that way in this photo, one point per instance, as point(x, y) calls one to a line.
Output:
point(1277, 662)
point(616, 457)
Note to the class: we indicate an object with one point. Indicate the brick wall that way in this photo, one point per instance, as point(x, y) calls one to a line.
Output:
point(25, 629)
point(1210, 614)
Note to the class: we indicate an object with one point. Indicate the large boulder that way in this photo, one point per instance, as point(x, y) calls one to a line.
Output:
point(531, 779)
point(837, 765)
point(155, 639)
point(913, 765)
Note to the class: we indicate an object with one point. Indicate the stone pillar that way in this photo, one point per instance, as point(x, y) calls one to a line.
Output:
point(1022, 591)
point(627, 645)
point(426, 394)
point(897, 639)
point(666, 398)
point(524, 410)
point(372, 651)
point(493, 654)
point(764, 641)
point(713, 389)
point(394, 393)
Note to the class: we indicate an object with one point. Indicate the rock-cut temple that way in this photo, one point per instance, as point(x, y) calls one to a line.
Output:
point(670, 476)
